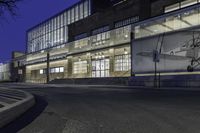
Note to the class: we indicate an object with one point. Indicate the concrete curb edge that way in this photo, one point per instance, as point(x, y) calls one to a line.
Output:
point(10, 113)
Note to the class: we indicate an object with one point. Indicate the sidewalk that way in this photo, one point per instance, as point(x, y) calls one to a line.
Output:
point(13, 103)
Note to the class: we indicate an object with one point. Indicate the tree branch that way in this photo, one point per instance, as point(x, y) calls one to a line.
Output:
point(8, 5)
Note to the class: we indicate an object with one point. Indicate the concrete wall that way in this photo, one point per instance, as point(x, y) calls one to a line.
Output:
point(109, 16)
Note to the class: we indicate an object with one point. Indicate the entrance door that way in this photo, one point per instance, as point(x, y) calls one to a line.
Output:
point(101, 68)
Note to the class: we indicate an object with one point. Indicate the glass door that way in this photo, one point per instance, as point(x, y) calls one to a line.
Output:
point(101, 68)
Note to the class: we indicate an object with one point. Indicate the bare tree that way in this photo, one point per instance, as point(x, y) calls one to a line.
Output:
point(9, 6)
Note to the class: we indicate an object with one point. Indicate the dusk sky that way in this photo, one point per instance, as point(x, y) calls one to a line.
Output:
point(30, 13)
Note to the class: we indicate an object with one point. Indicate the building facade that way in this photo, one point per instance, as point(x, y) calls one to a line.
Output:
point(5, 72)
point(95, 39)
point(17, 65)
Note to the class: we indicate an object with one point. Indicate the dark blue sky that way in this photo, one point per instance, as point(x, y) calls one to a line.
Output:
point(30, 13)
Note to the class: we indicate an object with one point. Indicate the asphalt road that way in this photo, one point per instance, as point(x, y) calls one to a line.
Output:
point(106, 109)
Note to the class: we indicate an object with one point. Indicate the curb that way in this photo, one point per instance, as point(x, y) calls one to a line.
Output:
point(10, 112)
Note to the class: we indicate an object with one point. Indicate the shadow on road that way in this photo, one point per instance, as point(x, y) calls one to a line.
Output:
point(27, 117)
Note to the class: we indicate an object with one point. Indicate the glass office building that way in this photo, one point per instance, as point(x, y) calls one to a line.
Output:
point(54, 32)
point(108, 52)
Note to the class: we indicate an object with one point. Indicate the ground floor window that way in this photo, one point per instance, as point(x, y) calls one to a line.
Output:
point(42, 71)
point(123, 62)
point(57, 70)
point(80, 67)
point(101, 68)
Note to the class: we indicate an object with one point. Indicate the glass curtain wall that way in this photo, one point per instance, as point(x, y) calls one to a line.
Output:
point(180, 5)
point(54, 32)
point(175, 22)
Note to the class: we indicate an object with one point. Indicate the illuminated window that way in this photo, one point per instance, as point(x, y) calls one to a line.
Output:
point(180, 5)
point(86, 9)
point(100, 39)
point(65, 18)
point(123, 32)
point(186, 3)
point(52, 70)
point(57, 70)
point(123, 62)
point(166, 24)
point(81, 11)
point(81, 43)
point(77, 13)
point(41, 71)
point(69, 17)
point(172, 7)
point(80, 67)
point(61, 69)
point(101, 68)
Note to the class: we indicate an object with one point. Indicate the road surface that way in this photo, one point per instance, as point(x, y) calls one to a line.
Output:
point(107, 109)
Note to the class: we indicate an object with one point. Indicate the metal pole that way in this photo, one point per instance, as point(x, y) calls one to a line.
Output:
point(47, 71)
point(155, 76)
point(159, 80)
point(131, 52)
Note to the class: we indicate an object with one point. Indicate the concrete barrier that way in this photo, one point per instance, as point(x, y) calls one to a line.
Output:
point(22, 101)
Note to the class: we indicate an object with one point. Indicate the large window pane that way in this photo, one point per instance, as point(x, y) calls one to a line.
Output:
point(69, 17)
point(169, 23)
point(72, 15)
point(81, 11)
point(86, 8)
point(186, 3)
point(172, 7)
point(76, 13)
point(80, 67)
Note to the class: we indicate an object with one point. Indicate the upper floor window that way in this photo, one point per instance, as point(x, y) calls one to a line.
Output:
point(81, 36)
point(123, 32)
point(80, 67)
point(100, 30)
point(100, 39)
point(81, 43)
point(127, 21)
point(186, 3)
point(172, 7)
point(180, 5)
